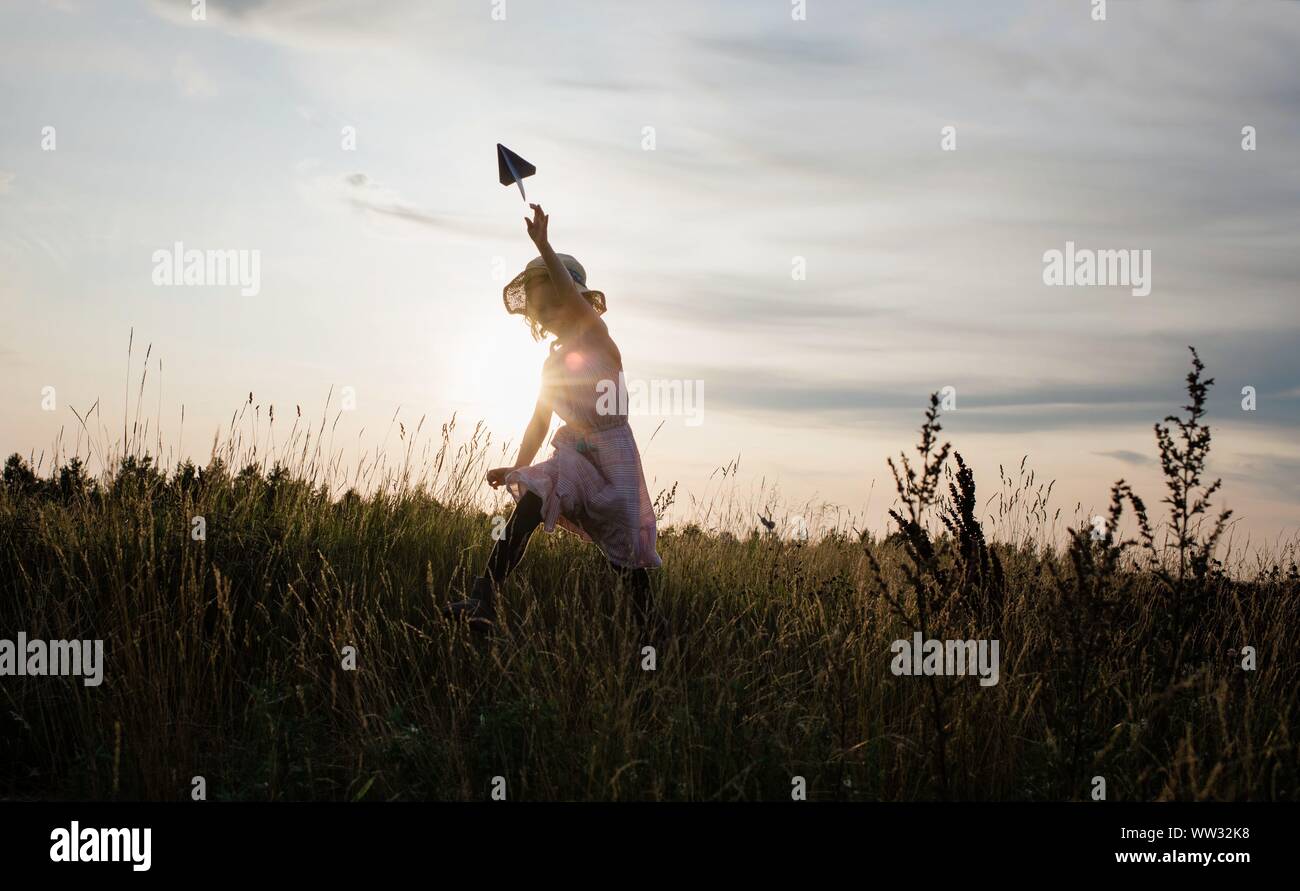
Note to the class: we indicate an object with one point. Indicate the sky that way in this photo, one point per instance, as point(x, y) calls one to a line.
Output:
point(765, 191)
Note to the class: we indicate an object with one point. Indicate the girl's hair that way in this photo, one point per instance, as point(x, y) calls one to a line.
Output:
point(538, 330)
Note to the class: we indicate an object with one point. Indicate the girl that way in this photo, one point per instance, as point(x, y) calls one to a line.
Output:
point(592, 484)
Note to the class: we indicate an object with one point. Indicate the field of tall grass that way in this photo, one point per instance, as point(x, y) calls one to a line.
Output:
point(225, 652)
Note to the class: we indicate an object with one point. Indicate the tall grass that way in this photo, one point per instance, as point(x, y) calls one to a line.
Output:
point(224, 656)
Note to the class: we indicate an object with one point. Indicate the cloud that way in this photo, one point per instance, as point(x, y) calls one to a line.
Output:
point(751, 300)
point(985, 403)
point(307, 24)
point(604, 85)
point(780, 51)
point(1135, 459)
point(1270, 474)
point(379, 204)
point(6, 178)
point(367, 195)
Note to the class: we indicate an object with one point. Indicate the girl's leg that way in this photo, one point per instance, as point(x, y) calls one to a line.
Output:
point(505, 556)
point(642, 599)
point(509, 550)
point(636, 582)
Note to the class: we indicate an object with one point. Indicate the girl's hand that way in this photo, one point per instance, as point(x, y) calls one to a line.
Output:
point(537, 226)
point(497, 475)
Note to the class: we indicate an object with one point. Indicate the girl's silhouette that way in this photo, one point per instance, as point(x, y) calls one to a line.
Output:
point(592, 484)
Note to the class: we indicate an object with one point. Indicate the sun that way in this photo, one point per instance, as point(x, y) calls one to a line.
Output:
point(501, 377)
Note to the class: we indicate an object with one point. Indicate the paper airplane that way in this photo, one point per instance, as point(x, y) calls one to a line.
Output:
point(512, 169)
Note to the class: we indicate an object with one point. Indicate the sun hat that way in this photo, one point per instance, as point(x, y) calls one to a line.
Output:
point(515, 295)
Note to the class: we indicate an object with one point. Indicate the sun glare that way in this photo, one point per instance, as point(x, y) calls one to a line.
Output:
point(502, 376)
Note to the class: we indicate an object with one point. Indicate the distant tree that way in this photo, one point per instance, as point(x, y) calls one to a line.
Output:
point(19, 477)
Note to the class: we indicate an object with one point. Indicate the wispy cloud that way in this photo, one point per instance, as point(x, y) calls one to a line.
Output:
point(1271, 474)
point(377, 202)
point(1135, 459)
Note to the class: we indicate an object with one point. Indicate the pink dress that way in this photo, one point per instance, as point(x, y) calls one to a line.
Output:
point(592, 484)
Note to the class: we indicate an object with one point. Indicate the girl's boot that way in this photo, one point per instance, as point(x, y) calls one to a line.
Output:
point(479, 608)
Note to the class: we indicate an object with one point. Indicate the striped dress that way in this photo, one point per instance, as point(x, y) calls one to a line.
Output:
point(592, 484)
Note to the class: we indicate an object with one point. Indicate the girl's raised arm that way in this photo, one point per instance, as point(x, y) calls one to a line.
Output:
point(566, 289)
